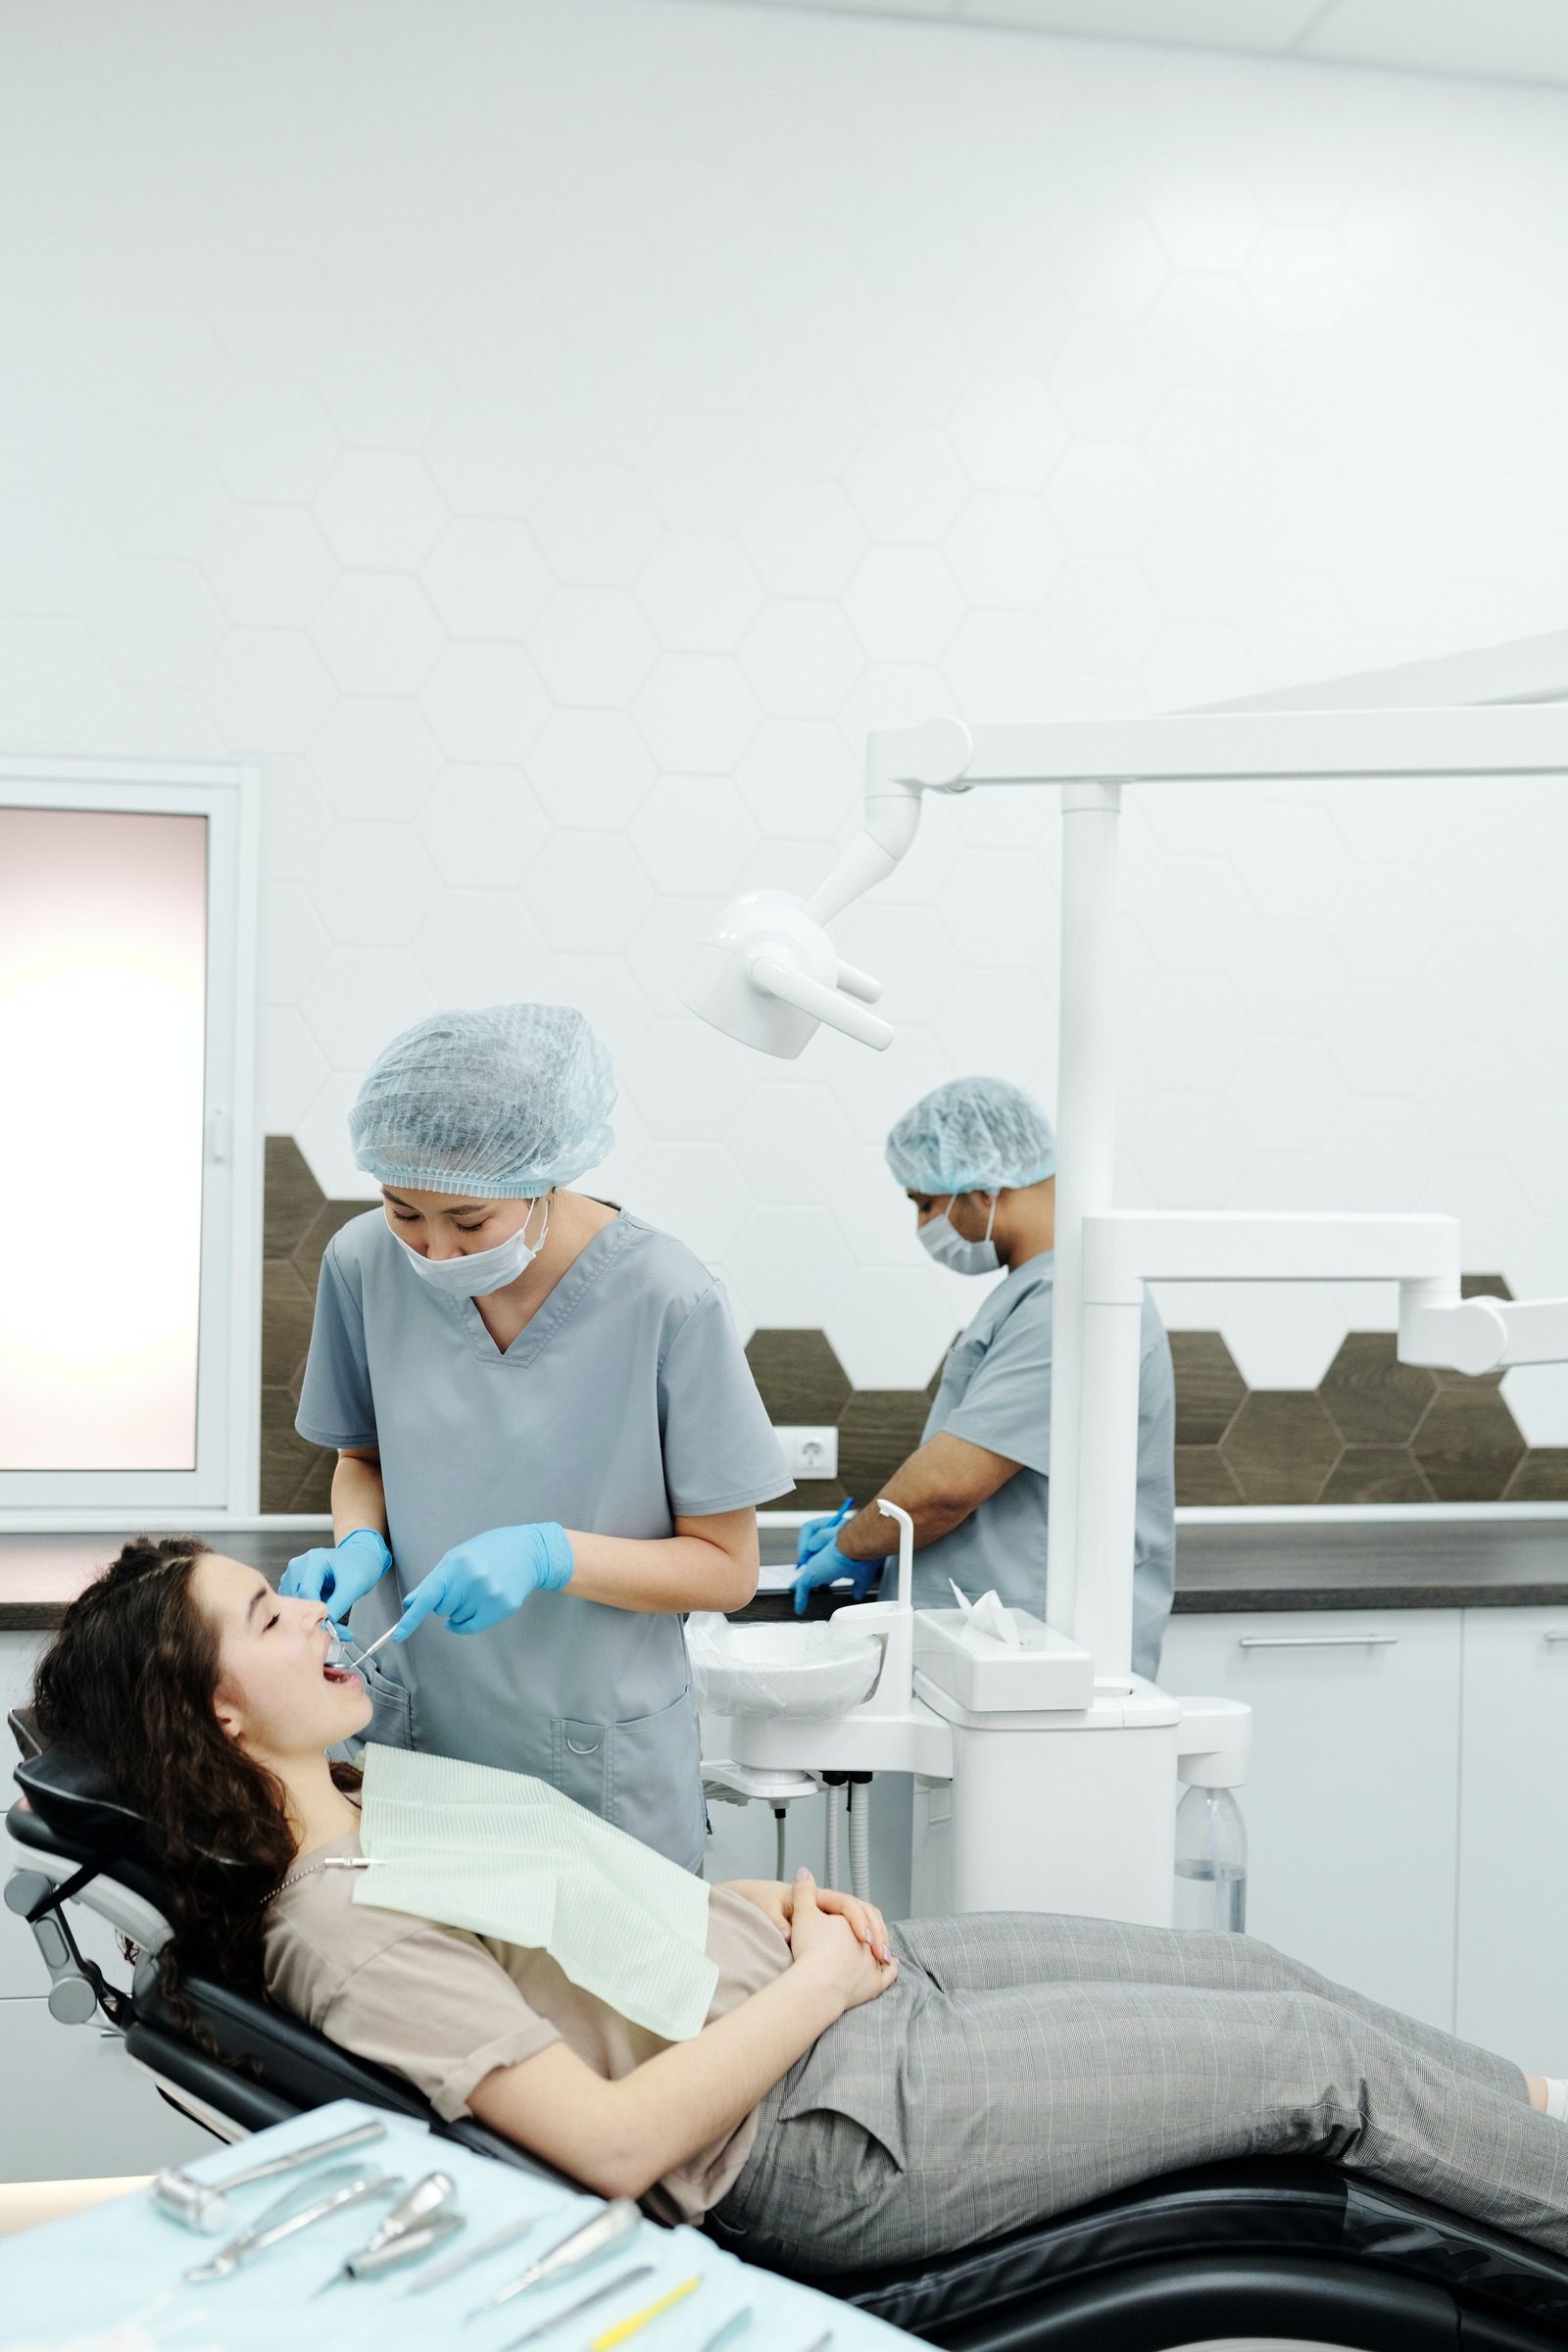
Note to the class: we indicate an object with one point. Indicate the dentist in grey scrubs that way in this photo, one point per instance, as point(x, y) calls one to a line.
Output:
point(546, 1427)
point(977, 1158)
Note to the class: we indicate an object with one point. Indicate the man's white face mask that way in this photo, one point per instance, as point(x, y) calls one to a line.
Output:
point(949, 1247)
point(482, 1270)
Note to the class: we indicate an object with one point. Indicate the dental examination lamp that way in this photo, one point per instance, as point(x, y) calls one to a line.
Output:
point(769, 973)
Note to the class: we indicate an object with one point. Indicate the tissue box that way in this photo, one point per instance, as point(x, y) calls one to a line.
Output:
point(985, 1674)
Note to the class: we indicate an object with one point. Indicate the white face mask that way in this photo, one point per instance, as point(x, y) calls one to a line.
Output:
point(949, 1247)
point(482, 1270)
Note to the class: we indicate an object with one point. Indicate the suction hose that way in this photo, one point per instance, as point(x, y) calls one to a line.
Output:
point(834, 1864)
point(859, 1801)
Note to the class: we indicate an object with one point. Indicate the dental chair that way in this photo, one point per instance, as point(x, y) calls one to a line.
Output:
point(1284, 2251)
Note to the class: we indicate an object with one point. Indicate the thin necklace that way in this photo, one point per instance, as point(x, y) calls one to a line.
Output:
point(307, 1870)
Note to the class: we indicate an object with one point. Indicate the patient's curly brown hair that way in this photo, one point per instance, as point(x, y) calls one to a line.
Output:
point(131, 1678)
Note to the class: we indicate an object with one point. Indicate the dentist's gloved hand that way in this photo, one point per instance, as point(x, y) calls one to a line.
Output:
point(813, 1533)
point(826, 1567)
point(338, 1574)
point(477, 1584)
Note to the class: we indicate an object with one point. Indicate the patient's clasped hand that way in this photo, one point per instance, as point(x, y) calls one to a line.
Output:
point(850, 2094)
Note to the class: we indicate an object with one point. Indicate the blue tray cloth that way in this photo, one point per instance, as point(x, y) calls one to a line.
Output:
point(112, 2279)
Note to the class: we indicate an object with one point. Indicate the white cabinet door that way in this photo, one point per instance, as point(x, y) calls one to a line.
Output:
point(1351, 1805)
point(1513, 1891)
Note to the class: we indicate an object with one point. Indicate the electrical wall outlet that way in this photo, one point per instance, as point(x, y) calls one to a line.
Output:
point(810, 1453)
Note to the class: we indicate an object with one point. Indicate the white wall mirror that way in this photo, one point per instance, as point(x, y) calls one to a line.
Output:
point(129, 1192)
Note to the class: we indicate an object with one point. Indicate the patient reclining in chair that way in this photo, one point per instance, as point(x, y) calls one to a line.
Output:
point(841, 2093)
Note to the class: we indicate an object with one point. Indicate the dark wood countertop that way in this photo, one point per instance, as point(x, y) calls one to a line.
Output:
point(1489, 1562)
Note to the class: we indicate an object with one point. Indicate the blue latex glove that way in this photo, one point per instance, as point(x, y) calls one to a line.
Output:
point(827, 1566)
point(340, 1573)
point(477, 1584)
point(813, 1533)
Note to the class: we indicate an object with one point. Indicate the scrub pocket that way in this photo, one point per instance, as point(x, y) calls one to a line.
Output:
point(643, 1774)
point(391, 1723)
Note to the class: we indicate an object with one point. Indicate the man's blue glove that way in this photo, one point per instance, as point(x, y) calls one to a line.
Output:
point(477, 1584)
point(339, 1574)
point(813, 1533)
point(827, 1566)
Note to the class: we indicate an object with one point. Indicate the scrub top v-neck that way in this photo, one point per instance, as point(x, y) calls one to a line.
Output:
point(624, 1400)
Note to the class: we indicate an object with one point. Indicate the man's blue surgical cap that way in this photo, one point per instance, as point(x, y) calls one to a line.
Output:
point(974, 1134)
point(504, 1102)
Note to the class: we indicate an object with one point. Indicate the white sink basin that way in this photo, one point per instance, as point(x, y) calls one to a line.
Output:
point(804, 1671)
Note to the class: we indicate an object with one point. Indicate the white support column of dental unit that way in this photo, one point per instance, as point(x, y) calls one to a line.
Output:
point(1086, 1111)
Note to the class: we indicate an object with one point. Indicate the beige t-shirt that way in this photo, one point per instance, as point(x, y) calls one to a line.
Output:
point(445, 2008)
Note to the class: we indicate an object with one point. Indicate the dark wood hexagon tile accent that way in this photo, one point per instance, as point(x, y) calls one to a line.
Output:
point(1376, 1474)
point(1372, 1398)
point(1202, 1478)
point(878, 1429)
point(315, 1489)
point(1541, 1477)
point(329, 1219)
point(799, 1378)
point(1210, 1389)
point(1281, 1445)
point(1469, 1443)
point(287, 1306)
point(290, 1196)
point(286, 1456)
point(1376, 1431)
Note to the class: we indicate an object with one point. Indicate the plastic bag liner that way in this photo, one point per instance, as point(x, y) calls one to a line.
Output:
point(803, 1670)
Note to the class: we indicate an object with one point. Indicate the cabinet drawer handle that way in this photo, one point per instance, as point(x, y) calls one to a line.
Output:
point(1555, 1634)
point(1324, 1640)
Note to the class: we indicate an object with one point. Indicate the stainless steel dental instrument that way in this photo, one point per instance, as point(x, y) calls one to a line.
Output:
point(374, 2262)
point(579, 2247)
point(492, 2244)
point(611, 2286)
point(278, 2223)
point(428, 2200)
point(201, 2205)
point(733, 2328)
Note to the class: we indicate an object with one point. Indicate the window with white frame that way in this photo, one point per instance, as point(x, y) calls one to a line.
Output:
point(128, 1198)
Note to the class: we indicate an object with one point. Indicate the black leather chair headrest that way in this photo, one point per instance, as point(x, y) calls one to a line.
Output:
point(72, 1794)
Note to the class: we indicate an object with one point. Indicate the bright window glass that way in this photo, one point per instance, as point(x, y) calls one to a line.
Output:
point(103, 960)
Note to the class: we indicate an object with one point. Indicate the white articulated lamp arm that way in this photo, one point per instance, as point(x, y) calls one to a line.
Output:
point(768, 972)
point(1479, 1335)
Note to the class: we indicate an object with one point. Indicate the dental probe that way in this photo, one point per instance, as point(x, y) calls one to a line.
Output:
point(493, 2245)
point(611, 2286)
point(381, 1640)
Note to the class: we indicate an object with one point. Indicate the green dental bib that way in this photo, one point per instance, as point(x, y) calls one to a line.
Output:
point(502, 1854)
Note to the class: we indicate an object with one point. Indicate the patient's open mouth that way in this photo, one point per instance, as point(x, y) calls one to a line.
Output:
point(338, 1674)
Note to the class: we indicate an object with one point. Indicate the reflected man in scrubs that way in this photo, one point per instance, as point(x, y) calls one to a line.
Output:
point(545, 1424)
point(978, 1157)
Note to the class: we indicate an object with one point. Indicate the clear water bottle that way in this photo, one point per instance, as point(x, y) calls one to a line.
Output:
point(1211, 1861)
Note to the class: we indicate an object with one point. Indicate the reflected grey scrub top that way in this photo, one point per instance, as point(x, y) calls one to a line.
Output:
point(625, 1399)
point(996, 1391)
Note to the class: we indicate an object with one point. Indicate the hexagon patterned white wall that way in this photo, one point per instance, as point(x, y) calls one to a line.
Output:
point(548, 436)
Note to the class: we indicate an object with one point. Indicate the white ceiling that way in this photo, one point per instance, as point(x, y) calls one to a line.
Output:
point(1510, 40)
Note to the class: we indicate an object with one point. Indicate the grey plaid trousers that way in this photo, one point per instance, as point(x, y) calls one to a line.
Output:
point(1022, 2064)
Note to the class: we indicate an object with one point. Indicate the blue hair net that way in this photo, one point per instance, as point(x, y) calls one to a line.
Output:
point(974, 1134)
point(506, 1103)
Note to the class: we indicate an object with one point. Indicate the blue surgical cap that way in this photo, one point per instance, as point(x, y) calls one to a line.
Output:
point(506, 1103)
point(974, 1134)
